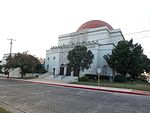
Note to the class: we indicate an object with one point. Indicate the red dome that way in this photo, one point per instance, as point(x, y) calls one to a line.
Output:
point(94, 24)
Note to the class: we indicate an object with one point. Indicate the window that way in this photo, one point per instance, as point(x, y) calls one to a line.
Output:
point(54, 58)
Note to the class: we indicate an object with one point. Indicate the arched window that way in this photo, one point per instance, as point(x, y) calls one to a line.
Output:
point(54, 58)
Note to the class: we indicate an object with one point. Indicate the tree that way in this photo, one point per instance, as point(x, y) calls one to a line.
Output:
point(40, 68)
point(135, 64)
point(126, 58)
point(119, 57)
point(26, 62)
point(79, 59)
point(146, 63)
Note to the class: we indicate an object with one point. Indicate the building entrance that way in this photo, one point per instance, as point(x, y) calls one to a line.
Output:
point(62, 69)
point(68, 71)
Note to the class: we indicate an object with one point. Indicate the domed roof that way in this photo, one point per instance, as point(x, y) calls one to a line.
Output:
point(94, 24)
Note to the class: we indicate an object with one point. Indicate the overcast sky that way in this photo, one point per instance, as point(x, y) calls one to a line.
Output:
point(37, 24)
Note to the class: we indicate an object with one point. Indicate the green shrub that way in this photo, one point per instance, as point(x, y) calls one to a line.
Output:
point(91, 76)
point(119, 78)
point(102, 77)
point(84, 78)
point(95, 77)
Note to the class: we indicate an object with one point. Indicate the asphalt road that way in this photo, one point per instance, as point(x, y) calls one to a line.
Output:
point(40, 98)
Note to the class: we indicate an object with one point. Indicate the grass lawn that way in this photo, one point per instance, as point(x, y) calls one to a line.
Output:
point(2, 110)
point(137, 85)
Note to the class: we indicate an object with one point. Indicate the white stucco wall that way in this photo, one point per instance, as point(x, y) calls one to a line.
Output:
point(52, 61)
point(100, 41)
point(15, 72)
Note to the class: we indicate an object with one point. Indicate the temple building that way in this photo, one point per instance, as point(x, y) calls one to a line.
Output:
point(98, 36)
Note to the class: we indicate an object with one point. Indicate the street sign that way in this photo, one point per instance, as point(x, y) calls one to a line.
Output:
point(98, 70)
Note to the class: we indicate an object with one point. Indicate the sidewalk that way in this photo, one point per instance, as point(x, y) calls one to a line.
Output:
point(107, 89)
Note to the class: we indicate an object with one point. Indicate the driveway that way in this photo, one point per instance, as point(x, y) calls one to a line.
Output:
point(39, 98)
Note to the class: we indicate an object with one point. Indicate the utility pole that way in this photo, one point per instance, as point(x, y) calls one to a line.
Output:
point(11, 42)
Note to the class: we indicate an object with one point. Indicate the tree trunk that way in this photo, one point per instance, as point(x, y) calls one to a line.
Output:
point(132, 79)
point(78, 73)
point(22, 72)
point(8, 75)
point(7, 72)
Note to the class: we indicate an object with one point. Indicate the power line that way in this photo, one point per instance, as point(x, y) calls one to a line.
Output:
point(142, 37)
point(11, 42)
point(138, 32)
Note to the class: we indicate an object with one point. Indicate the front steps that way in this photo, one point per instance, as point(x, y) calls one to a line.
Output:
point(48, 76)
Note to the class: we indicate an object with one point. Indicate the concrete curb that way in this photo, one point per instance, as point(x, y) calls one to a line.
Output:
point(134, 92)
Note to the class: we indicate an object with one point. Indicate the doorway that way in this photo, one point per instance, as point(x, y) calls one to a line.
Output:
point(62, 69)
point(68, 71)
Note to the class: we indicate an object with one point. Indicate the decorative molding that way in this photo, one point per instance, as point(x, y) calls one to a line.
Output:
point(75, 44)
